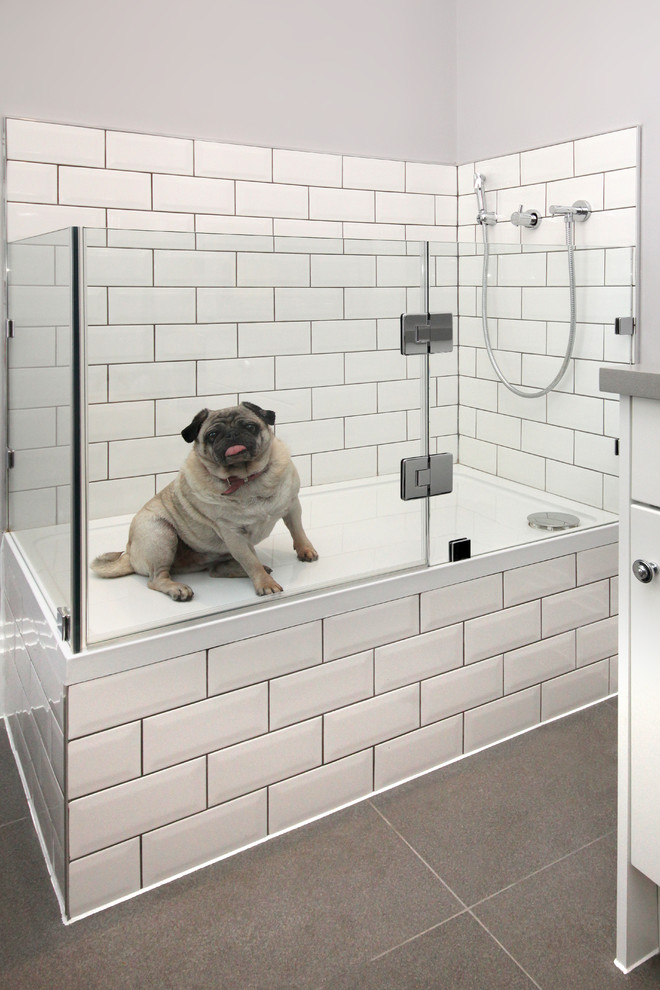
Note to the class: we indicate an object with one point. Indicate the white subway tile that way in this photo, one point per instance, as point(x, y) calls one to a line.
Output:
point(342, 204)
point(588, 341)
point(457, 602)
point(31, 183)
point(568, 609)
point(202, 341)
point(620, 188)
point(521, 269)
point(33, 141)
point(344, 465)
point(313, 793)
point(358, 726)
point(343, 335)
point(134, 223)
point(589, 187)
point(405, 208)
point(379, 428)
point(546, 164)
point(190, 194)
point(261, 657)
point(372, 173)
point(423, 178)
point(575, 689)
point(200, 838)
point(445, 211)
point(369, 627)
point(264, 760)
point(352, 400)
point(194, 268)
point(614, 596)
point(104, 187)
point(204, 726)
point(118, 266)
point(261, 339)
point(500, 172)
point(262, 199)
point(501, 631)
point(495, 428)
point(467, 687)
point(306, 693)
point(308, 304)
point(233, 161)
point(120, 496)
point(597, 641)
point(307, 168)
point(290, 231)
point(400, 395)
point(273, 269)
point(242, 374)
point(132, 458)
point(393, 271)
point(309, 369)
point(502, 718)
point(418, 657)
point(597, 563)
point(151, 305)
point(539, 662)
point(28, 219)
point(165, 379)
point(361, 304)
point(310, 438)
point(596, 453)
point(103, 759)
point(173, 414)
point(148, 153)
point(589, 267)
point(479, 393)
point(110, 816)
point(417, 751)
point(605, 152)
point(104, 877)
point(372, 231)
point(575, 483)
point(342, 270)
point(611, 228)
point(112, 345)
point(232, 306)
point(119, 698)
point(567, 410)
point(522, 584)
point(244, 233)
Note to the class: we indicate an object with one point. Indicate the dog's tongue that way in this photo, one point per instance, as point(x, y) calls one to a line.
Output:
point(236, 449)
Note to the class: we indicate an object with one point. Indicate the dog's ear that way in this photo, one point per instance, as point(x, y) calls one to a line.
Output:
point(191, 431)
point(267, 415)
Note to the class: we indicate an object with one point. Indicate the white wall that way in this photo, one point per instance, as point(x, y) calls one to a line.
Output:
point(531, 74)
point(344, 76)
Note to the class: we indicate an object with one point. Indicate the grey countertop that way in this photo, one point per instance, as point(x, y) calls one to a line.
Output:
point(630, 381)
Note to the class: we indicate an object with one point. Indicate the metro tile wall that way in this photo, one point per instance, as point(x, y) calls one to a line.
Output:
point(537, 441)
point(209, 316)
point(220, 749)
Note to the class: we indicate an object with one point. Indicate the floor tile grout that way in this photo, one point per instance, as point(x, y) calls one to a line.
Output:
point(14, 821)
point(541, 869)
point(504, 949)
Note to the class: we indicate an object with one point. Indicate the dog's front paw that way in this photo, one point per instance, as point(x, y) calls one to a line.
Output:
point(267, 585)
point(306, 553)
point(181, 593)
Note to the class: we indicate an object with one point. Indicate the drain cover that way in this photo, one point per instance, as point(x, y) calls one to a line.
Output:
point(552, 520)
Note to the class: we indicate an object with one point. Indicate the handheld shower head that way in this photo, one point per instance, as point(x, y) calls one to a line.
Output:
point(483, 217)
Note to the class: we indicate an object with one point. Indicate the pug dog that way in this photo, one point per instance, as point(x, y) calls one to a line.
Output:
point(235, 484)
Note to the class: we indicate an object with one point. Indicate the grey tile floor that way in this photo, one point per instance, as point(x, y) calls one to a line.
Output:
point(496, 873)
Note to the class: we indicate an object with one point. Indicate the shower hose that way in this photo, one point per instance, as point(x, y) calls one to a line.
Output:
point(536, 393)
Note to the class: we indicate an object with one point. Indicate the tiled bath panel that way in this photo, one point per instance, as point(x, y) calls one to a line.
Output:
point(180, 762)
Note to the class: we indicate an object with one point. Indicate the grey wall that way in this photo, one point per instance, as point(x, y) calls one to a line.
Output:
point(532, 74)
point(356, 77)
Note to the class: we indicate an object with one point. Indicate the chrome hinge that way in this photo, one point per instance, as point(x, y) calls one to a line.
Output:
point(624, 325)
point(10, 458)
point(426, 333)
point(64, 622)
point(9, 329)
point(422, 476)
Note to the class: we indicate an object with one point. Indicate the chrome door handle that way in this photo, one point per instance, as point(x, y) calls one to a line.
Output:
point(644, 570)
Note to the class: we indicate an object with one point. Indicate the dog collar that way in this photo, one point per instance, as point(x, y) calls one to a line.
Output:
point(234, 482)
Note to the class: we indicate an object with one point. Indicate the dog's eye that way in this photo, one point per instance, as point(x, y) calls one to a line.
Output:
point(252, 427)
point(210, 437)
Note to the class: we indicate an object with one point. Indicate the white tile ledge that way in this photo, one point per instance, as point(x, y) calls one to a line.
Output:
point(266, 616)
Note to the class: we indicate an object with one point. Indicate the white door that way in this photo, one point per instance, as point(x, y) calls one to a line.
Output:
point(645, 692)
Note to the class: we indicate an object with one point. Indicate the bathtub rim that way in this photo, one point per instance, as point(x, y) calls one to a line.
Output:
point(205, 632)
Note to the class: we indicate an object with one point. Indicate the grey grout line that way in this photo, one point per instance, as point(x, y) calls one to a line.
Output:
point(505, 950)
point(14, 821)
point(542, 869)
point(420, 857)
point(413, 938)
